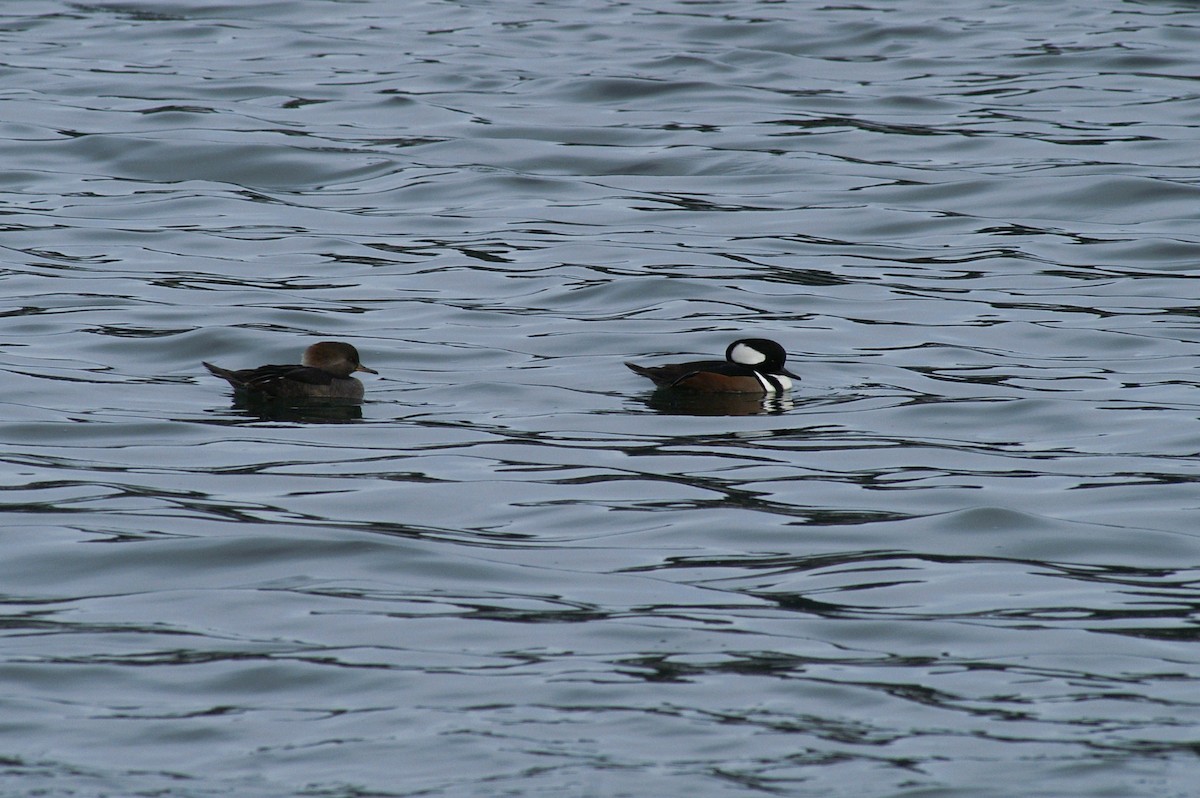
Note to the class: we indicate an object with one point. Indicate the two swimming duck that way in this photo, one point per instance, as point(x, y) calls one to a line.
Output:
point(751, 366)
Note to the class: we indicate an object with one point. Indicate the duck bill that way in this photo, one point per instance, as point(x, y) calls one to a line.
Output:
point(361, 367)
point(787, 373)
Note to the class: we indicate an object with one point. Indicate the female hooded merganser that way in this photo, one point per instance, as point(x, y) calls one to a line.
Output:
point(751, 365)
point(324, 373)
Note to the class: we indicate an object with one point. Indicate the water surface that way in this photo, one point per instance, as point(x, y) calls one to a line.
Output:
point(960, 559)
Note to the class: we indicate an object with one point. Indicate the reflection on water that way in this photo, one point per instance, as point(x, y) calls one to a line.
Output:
point(268, 408)
point(960, 558)
point(682, 403)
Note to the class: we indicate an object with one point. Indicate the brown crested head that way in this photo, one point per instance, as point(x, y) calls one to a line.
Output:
point(336, 357)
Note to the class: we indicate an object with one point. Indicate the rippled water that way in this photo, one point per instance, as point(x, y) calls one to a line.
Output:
point(961, 559)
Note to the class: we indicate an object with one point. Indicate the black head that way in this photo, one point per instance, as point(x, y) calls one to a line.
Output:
point(760, 354)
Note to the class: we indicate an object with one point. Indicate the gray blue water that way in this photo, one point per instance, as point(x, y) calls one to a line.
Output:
point(960, 560)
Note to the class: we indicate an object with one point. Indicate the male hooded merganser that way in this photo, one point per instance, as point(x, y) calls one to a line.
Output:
point(751, 365)
point(324, 373)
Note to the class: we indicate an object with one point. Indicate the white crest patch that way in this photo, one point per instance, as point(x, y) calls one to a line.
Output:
point(746, 356)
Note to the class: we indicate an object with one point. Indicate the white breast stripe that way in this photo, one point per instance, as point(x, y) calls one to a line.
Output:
point(774, 383)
